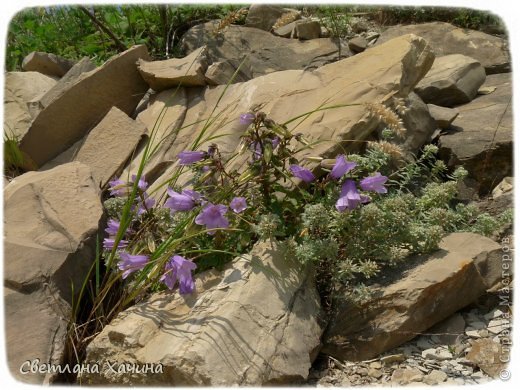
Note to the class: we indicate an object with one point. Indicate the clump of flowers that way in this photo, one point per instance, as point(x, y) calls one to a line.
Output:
point(351, 215)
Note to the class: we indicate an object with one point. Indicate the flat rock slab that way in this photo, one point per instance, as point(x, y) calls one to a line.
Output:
point(75, 112)
point(187, 72)
point(265, 52)
point(51, 220)
point(256, 323)
point(453, 79)
point(453, 277)
point(20, 88)
point(285, 95)
point(482, 135)
point(110, 144)
point(46, 63)
point(443, 116)
point(82, 66)
point(491, 51)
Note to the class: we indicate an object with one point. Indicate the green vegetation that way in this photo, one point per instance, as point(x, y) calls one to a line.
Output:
point(70, 32)
point(102, 31)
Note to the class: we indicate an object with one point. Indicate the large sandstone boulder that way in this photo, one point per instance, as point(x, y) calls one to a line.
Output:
point(187, 72)
point(265, 52)
point(256, 323)
point(482, 135)
point(453, 79)
point(76, 111)
point(82, 66)
point(491, 51)
point(285, 95)
point(20, 88)
point(51, 220)
point(46, 63)
point(465, 266)
point(110, 144)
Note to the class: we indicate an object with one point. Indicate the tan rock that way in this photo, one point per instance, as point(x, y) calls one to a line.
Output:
point(288, 94)
point(464, 268)
point(403, 376)
point(187, 72)
point(72, 114)
point(84, 65)
point(51, 220)
point(435, 377)
point(110, 144)
point(491, 51)
point(224, 72)
point(20, 88)
point(489, 356)
point(224, 334)
point(46, 63)
point(357, 44)
point(453, 79)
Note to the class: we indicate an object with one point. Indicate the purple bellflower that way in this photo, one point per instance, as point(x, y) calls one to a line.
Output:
point(117, 187)
point(349, 197)
point(179, 269)
point(212, 216)
point(247, 118)
point(341, 167)
point(190, 157)
point(185, 201)
point(302, 173)
point(238, 204)
point(108, 244)
point(131, 263)
point(374, 183)
point(142, 184)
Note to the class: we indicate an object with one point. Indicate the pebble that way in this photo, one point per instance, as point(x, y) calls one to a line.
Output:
point(435, 377)
point(389, 359)
point(375, 373)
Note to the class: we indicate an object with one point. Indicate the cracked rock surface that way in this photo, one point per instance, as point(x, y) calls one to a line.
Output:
point(255, 323)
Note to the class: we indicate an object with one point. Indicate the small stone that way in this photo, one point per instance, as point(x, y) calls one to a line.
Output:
point(389, 359)
point(444, 116)
point(404, 376)
point(488, 355)
point(435, 377)
point(375, 373)
point(357, 44)
point(308, 29)
point(473, 333)
point(437, 354)
point(375, 365)
point(362, 371)
point(486, 90)
point(477, 325)
point(494, 313)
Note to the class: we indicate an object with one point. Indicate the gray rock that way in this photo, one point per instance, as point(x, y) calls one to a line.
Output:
point(491, 51)
point(435, 377)
point(443, 116)
point(452, 80)
point(264, 16)
point(46, 63)
point(187, 72)
point(418, 123)
point(488, 122)
point(450, 330)
point(458, 275)
point(71, 115)
point(285, 31)
point(357, 44)
point(404, 376)
point(224, 334)
point(51, 222)
point(308, 29)
point(266, 53)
